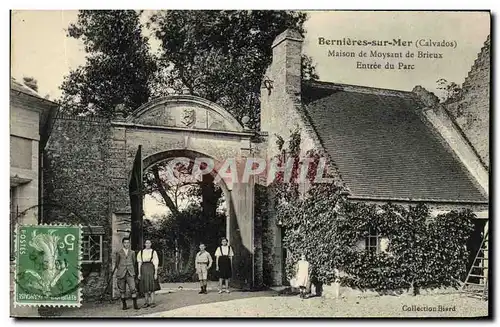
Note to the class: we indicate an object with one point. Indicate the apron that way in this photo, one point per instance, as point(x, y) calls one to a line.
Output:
point(225, 271)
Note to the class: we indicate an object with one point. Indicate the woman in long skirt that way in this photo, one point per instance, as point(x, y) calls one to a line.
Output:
point(303, 274)
point(147, 260)
point(224, 261)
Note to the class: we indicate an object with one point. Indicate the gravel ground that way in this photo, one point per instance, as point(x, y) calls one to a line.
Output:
point(165, 303)
point(292, 306)
point(188, 303)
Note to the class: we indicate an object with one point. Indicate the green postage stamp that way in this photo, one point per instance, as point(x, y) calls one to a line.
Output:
point(48, 265)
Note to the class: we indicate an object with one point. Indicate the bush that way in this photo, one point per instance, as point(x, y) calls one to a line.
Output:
point(181, 277)
point(422, 252)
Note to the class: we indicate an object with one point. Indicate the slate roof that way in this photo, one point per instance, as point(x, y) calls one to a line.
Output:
point(48, 109)
point(382, 146)
point(20, 87)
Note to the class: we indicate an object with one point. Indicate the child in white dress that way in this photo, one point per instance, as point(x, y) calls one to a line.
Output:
point(302, 276)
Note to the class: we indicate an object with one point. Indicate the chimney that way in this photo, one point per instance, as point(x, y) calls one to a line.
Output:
point(281, 85)
point(31, 83)
point(429, 99)
point(287, 60)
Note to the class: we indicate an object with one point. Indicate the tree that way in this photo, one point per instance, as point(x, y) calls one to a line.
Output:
point(200, 51)
point(450, 90)
point(308, 69)
point(177, 184)
point(222, 55)
point(119, 67)
point(183, 232)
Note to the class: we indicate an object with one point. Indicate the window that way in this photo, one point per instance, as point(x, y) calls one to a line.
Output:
point(20, 152)
point(92, 244)
point(372, 241)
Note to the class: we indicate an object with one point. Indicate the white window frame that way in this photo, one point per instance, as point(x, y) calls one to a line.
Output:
point(93, 235)
point(373, 234)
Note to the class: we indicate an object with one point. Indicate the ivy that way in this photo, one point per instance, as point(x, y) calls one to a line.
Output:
point(422, 252)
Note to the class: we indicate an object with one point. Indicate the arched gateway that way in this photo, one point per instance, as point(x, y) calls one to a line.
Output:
point(191, 127)
point(111, 157)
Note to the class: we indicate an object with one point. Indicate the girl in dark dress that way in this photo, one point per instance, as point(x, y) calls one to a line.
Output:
point(147, 260)
point(224, 261)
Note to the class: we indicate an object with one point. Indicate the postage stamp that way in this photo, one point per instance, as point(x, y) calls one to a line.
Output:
point(48, 265)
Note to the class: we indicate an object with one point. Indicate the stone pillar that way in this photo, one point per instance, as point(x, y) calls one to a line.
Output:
point(120, 226)
point(260, 214)
point(119, 198)
point(280, 107)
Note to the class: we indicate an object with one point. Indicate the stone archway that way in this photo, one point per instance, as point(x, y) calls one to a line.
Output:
point(153, 159)
point(190, 127)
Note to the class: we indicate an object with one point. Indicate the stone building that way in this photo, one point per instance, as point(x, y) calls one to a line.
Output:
point(93, 167)
point(470, 109)
point(387, 145)
point(30, 121)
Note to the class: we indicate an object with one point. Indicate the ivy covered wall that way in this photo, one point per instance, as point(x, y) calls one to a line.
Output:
point(417, 250)
point(76, 187)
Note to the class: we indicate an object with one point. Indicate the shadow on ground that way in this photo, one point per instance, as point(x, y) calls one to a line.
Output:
point(164, 302)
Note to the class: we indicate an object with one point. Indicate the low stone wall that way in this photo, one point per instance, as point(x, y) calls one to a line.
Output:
point(335, 291)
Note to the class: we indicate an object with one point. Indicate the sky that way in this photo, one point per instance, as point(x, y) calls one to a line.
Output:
point(41, 49)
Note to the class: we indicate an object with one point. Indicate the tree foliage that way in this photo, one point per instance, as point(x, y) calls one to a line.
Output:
point(177, 184)
point(184, 231)
point(222, 55)
point(451, 91)
point(217, 55)
point(31, 82)
point(119, 67)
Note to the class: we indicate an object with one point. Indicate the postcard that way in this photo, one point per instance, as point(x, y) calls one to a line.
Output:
point(256, 163)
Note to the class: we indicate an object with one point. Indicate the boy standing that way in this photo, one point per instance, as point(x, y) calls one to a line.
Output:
point(203, 262)
point(125, 272)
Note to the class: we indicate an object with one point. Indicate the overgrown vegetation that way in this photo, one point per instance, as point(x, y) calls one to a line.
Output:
point(450, 91)
point(422, 252)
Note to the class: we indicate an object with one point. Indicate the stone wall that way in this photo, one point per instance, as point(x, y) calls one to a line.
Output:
point(471, 109)
point(77, 186)
point(87, 165)
point(281, 105)
point(24, 140)
point(282, 112)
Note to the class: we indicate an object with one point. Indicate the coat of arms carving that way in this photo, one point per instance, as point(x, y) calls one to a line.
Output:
point(188, 117)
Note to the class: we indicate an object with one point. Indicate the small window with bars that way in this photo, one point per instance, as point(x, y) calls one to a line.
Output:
point(92, 244)
point(372, 241)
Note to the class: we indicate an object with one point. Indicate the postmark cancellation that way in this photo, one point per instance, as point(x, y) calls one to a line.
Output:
point(47, 265)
